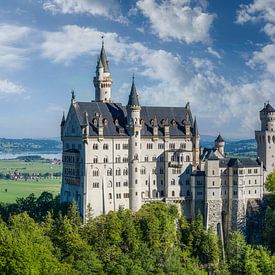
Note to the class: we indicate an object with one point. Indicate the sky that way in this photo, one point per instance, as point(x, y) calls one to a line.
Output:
point(217, 55)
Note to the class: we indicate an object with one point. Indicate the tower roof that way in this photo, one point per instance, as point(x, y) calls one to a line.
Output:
point(219, 138)
point(195, 128)
point(103, 59)
point(63, 120)
point(268, 108)
point(133, 97)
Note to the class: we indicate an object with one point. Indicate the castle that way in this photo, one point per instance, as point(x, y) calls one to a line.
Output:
point(125, 156)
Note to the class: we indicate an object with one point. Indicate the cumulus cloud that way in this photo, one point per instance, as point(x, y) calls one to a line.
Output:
point(14, 45)
point(110, 10)
point(178, 19)
point(258, 10)
point(7, 88)
point(173, 80)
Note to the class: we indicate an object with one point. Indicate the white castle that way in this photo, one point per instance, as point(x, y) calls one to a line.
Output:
point(125, 156)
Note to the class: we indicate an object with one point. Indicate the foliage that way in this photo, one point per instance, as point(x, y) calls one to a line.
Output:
point(41, 236)
point(270, 182)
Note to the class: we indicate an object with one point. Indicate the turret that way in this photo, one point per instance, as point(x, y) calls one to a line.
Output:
point(196, 144)
point(219, 144)
point(102, 80)
point(134, 129)
point(62, 124)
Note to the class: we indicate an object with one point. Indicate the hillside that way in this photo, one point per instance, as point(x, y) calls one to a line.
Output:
point(241, 148)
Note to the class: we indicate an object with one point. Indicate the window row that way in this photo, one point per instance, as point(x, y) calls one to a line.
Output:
point(118, 172)
point(105, 146)
point(118, 159)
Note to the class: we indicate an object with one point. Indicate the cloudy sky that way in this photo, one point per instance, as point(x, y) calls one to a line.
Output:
point(217, 55)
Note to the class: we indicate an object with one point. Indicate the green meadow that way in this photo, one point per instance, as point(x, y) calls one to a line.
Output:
point(10, 190)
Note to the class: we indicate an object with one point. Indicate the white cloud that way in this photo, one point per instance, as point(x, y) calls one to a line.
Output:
point(258, 10)
point(14, 45)
point(109, 10)
point(214, 53)
point(173, 81)
point(7, 88)
point(178, 19)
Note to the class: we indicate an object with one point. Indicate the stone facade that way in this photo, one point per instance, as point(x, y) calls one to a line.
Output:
point(124, 156)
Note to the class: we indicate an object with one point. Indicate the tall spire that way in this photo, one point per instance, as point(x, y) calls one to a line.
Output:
point(102, 80)
point(103, 57)
point(195, 128)
point(133, 97)
point(63, 120)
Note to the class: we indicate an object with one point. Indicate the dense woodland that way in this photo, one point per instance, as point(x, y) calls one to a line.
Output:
point(40, 236)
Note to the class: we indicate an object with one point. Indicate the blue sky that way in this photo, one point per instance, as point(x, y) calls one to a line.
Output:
point(217, 55)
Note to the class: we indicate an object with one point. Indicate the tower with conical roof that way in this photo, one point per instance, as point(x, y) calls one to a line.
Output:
point(134, 130)
point(266, 138)
point(219, 144)
point(103, 80)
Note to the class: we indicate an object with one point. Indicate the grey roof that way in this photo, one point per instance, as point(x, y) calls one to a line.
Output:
point(198, 173)
point(239, 162)
point(268, 108)
point(219, 138)
point(207, 152)
point(103, 59)
point(212, 156)
point(133, 97)
point(116, 115)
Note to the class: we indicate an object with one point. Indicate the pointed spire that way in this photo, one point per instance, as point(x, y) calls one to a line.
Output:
point(195, 128)
point(63, 120)
point(103, 57)
point(219, 138)
point(133, 97)
point(73, 96)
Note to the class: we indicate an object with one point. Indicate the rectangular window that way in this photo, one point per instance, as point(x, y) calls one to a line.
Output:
point(117, 146)
point(126, 195)
point(95, 184)
point(118, 196)
point(149, 146)
point(125, 146)
point(161, 146)
point(172, 146)
point(255, 171)
point(249, 171)
point(118, 184)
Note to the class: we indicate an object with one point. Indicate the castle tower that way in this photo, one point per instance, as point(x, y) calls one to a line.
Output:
point(213, 201)
point(134, 129)
point(196, 144)
point(103, 80)
point(266, 138)
point(63, 121)
point(219, 144)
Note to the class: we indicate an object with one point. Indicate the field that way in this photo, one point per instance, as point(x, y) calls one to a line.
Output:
point(22, 188)
point(10, 190)
point(39, 166)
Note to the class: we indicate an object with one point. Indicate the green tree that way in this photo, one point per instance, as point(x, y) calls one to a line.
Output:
point(270, 182)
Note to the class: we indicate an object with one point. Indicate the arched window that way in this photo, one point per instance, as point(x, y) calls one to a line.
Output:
point(188, 158)
point(173, 182)
point(273, 139)
point(105, 160)
point(95, 159)
point(95, 146)
point(105, 146)
point(95, 172)
point(142, 170)
point(268, 138)
point(125, 172)
point(118, 172)
point(118, 160)
point(110, 196)
point(109, 172)
point(154, 193)
point(173, 193)
point(110, 184)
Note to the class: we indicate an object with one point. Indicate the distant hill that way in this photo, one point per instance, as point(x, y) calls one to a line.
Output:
point(238, 148)
point(241, 148)
point(26, 145)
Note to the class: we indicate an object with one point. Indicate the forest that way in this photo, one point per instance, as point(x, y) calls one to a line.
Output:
point(38, 235)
